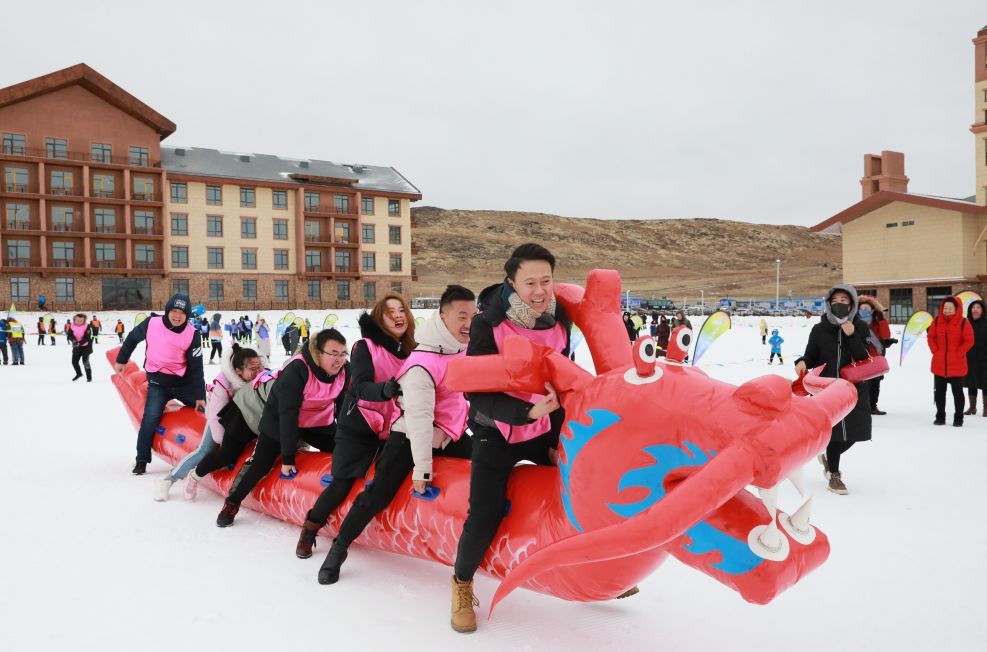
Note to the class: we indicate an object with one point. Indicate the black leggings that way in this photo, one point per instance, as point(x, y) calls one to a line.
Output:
point(493, 459)
point(956, 385)
point(835, 449)
point(266, 452)
point(393, 466)
point(217, 347)
point(236, 437)
point(77, 355)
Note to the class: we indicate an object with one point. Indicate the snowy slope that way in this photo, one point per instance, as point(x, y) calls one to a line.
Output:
point(91, 562)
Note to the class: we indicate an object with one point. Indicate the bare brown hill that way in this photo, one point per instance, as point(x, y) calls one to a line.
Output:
point(673, 258)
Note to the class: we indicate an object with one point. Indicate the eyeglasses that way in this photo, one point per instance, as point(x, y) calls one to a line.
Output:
point(333, 354)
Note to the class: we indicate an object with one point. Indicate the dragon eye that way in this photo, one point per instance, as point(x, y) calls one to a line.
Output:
point(647, 350)
point(684, 339)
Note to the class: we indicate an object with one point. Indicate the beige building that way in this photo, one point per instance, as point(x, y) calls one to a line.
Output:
point(913, 250)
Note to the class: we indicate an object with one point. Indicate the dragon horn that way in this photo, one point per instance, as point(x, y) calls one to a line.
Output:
point(702, 492)
point(596, 311)
point(835, 396)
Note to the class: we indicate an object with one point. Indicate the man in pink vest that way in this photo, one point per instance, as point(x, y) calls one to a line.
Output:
point(432, 422)
point(173, 361)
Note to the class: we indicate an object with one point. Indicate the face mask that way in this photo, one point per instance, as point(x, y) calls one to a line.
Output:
point(840, 310)
point(865, 315)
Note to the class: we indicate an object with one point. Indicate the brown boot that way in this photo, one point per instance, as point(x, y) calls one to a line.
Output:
point(306, 540)
point(973, 406)
point(463, 601)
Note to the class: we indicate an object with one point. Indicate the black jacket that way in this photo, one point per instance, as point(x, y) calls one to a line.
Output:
point(280, 418)
point(828, 345)
point(193, 357)
point(976, 358)
point(498, 406)
point(83, 344)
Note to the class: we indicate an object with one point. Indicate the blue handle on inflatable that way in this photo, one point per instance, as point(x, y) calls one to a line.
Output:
point(291, 475)
point(507, 507)
point(326, 480)
point(160, 430)
point(180, 439)
point(430, 494)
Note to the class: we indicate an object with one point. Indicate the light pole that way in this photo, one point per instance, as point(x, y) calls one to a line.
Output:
point(777, 282)
point(702, 300)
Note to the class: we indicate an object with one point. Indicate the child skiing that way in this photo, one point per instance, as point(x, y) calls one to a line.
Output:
point(776, 341)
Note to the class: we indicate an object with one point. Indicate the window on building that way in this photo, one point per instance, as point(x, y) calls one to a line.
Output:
point(63, 254)
point(369, 261)
point(16, 179)
point(103, 186)
point(314, 290)
point(343, 261)
point(280, 259)
point(280, 229)
point(249, 290)
point(396, 287)
point(395, 262)
point(394, 235)
point(311, 201)
point(280, 290)
point(105, 220)
point(179, 257)
point(908, 223)
point(18, 253)
point(139, 156)
point(106, 254)
point(179, 193)
point(279, 199)
point(248, 228)
point(62, 183)
point(369, 291)
point(179, 286)
point(20, 288)
point(901, 305)
point(14, 144)
point(144, 256)
point(18, 217)
point(343, 232)
point(313, 260)
point(64, 289)
point(179, 224)
point(891, 225)
point(248, 198)
point(934, 297)
point(102, 153)
point(343, 289)
point(214, 226)
point(313, 231)
point(143, 189)
point(62, 218)
point(342, 204)
point(248, 259)
point(368, 205)
point(214, 195)
point(56, 148)
point(215, 290)
point(866, 292)
point(144, 222)
point(214, 256)
point(369, 234)
point(394, 207)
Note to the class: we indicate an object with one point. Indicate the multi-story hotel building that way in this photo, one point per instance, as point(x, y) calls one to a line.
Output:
point(97, 214)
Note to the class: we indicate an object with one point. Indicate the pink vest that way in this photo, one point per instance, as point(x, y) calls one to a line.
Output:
point(166, 349)
point(221, 381)
point(451, 408)
point(381, 415)
point(555, 339)
point(319, 399)
point(78, 331)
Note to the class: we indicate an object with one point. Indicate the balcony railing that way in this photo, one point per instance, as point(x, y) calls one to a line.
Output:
point(313, 237)
point(16, 187)
point(144, 230)
point(14, 150)
point(345, 269)
point(313, 268)
point(83, 157)
point(19, 226)
point(145, 264)
point(349, 211)
point(18, 262)
point(346, 241)
point(62, 227)
point(63, 262)
point(105, 264)
point(143, 196)
point(62, 191)
point(104, 194)
point(105, 228)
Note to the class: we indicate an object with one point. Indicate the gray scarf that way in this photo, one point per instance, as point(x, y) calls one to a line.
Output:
point(523, 315)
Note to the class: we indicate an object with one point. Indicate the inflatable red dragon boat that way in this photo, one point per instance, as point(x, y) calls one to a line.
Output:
point(655, 460)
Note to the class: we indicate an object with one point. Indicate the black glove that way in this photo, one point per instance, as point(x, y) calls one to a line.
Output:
point(390, 389)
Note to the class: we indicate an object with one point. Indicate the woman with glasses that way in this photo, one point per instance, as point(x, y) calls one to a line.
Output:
point(370, 408)
point(303, 405)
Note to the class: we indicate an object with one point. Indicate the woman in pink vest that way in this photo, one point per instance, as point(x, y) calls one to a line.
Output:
point(432, 422)
point(80, 336)
point(507, 428)
point(173, 361)
point(302, 406)
point(371, 402)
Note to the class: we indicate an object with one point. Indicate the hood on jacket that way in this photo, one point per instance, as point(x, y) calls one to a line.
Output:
point(488, 296)
point(373, 332)
point(434, 336)
point(226, 366)
point(983, 310)
point(953, 300)
point(827, 309)
point(874, 304)
point(774, 331)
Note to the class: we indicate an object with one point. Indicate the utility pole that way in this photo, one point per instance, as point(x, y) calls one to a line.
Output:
point(777, 282)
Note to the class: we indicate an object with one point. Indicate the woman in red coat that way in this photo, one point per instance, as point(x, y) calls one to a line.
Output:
point(950, 337)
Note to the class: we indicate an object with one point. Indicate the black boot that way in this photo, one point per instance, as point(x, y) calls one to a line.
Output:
point(140, 468)
point(227, 514)
point(77, 377)
point(306, 540)
point(329, 573)
point(958, 420)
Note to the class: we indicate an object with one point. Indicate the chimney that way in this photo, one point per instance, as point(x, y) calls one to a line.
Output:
point(884, 172)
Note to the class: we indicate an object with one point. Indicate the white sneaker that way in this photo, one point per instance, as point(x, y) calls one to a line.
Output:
point(191, 485)
point(161, 493)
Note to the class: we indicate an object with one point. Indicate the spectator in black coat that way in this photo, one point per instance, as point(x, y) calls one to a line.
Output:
point(976, 358)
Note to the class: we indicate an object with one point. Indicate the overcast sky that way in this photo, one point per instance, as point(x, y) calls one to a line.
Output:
point(757, 111)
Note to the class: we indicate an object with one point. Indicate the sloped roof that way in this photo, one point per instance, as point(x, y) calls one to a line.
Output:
point(266, 167)
point(885, 197)
point(84, 76)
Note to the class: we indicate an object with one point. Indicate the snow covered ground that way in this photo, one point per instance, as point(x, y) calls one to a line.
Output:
point(89, 561)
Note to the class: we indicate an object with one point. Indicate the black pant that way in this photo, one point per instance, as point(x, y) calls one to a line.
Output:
point(771, 358)
point(493, 459)
point(267, 450)
point(393, 466)
point(764, 339)
point(835, 449)
point(41, 339)
point(217, 347)
point(51, 336)
point(956, 384)
point(875, 392)
point(77, 355)
point(3, 351)
point(236, 437)
point(120, 335)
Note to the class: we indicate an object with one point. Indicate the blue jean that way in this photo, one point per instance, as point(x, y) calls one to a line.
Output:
point(157, 397)
point(206, 446)
point(17, 351)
